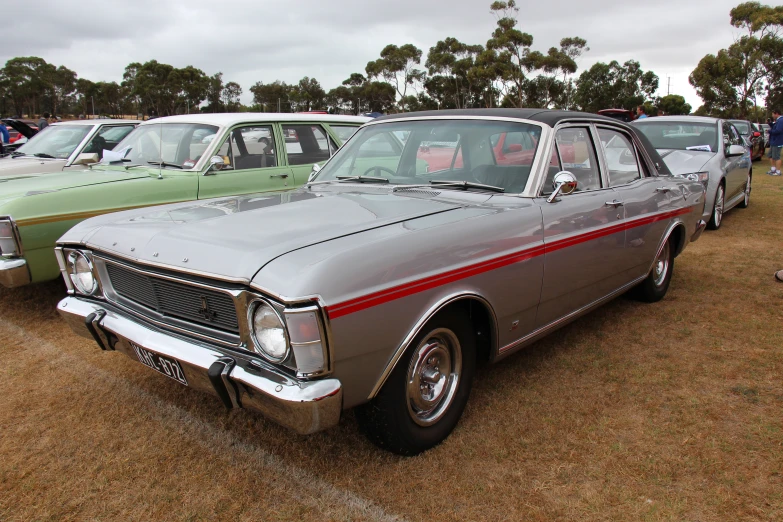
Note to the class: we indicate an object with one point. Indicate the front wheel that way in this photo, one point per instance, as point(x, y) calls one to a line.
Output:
point(746, 200)
point(717, 210)
point(654, 287)
point(425, 395)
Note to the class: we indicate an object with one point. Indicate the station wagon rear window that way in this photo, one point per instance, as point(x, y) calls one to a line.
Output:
point(496, 153)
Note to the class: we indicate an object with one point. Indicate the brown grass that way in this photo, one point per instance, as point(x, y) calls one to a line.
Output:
point(669, 411)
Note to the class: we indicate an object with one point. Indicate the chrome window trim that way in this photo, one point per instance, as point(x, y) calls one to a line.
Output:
point(16, 236)
point(582, 123)
point(635, 147)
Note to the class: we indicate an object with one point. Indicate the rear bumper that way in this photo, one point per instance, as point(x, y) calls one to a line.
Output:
point(14, 272)
point(700, 226)
point(240, 381)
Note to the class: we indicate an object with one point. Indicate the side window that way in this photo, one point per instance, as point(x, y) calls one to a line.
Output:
point(577, 155)
point(728, 137)
point(737, 137)
point(107, 138)
point(620, 157)
point(344, 131)
point(307, 144)
point(249, 147)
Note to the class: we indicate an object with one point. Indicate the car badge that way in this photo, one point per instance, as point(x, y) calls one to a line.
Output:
point(205, 312)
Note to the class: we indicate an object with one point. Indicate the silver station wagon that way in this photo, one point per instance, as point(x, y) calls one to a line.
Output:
point(428, 242)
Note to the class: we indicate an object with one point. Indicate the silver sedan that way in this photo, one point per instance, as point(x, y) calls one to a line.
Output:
point(710, 150)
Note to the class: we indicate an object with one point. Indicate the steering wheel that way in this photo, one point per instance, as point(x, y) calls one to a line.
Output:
point(377, 169)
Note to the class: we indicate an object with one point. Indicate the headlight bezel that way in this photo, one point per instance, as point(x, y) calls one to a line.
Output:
point(14, 237)
point(71, 261)
point(252, 308)
point(63, 255)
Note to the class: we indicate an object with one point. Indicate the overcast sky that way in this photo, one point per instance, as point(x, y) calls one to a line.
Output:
point(268, 40)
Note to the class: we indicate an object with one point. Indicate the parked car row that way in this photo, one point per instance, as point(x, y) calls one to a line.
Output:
point(302, 265)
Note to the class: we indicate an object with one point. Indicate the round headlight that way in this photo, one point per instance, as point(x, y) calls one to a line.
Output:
point(269, 333)
point(81, 274)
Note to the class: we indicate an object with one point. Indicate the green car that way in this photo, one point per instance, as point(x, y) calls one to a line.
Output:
point(165, 160)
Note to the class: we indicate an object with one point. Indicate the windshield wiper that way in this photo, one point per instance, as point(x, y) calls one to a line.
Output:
point(363, 179)
point(164, 164)
point(465, 185)
point(43, 155)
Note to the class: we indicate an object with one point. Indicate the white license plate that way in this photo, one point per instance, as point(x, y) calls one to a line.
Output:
point(165, 365)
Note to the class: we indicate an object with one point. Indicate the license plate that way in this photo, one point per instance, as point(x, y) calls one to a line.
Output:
point(159, 363)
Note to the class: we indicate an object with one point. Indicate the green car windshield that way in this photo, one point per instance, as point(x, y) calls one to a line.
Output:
point(168, 145)
point(488, 152)
point(685, 135)
point(55, 141)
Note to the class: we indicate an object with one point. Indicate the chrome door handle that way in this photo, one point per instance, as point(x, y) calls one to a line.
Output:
point(664, 190)
point(614, 203)
point(279, 176)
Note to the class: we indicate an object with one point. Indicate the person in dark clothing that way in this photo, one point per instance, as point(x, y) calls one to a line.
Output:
point(775, 143)
point(43, 122)
point(5, 137)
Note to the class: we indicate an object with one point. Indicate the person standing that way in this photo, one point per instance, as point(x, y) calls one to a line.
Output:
point(43, 122)
point(5, 137)
point(775, 143)
point(641, 112)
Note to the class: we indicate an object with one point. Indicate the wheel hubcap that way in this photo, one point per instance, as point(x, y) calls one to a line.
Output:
point(719, 206)
point(661, 267)
point(433, 376)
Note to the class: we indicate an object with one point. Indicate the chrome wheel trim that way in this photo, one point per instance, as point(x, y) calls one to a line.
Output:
point(717, 213)
point(433, 376)
point(747, 191)
point(661, 266)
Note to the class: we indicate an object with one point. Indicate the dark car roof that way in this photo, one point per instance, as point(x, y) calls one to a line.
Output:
point(547, 116)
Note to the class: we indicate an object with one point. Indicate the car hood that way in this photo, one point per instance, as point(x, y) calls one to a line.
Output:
point(13, 166)
point(233, 238)
point(21, 127)
point(31, 184)
point(685, 161)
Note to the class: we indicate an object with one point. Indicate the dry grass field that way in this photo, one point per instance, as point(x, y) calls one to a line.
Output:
point(671, 411)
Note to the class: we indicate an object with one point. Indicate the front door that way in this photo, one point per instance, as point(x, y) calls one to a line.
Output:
point(584, 236)
point(736, 167)
point(252, 164)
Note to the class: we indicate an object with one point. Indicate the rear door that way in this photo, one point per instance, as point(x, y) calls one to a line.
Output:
point(253, 163)
point(305, 145)
point(583, 231)
point(647, 200)
point(737, 167)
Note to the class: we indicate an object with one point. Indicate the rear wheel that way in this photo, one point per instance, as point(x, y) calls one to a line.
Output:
point(746, 200)
point(654, 287)
point(717, 210)
point(425, 395)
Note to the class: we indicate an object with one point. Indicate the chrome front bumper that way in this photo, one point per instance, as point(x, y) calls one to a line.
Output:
point(240, 381)
point(14, 272)
point(700, 226)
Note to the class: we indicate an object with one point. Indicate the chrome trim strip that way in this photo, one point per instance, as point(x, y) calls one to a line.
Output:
point(402, 348)
point(557, 323)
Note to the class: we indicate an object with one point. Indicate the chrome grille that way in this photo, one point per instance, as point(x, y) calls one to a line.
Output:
point(211, 308)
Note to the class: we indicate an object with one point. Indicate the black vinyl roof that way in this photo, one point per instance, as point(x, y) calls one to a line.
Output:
point(547, 116)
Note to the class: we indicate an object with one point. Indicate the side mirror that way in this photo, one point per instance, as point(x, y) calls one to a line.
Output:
point(564, 183)
point(514, 147)
point(735, 150)
point(215, 163)
point(314, 172)
point(86, 158)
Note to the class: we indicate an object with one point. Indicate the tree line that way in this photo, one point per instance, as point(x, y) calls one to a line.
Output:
point(506, 71)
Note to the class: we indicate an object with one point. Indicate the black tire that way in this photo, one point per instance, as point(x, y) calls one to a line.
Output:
point(745, 203)
point(388, 419)
point(655, 286)
point(716, 218)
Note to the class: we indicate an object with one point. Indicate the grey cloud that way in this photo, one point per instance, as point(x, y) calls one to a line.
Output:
point(267, 40)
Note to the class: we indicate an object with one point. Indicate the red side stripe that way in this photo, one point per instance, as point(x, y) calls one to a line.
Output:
point(421, 285)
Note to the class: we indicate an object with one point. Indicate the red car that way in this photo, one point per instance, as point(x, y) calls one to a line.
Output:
point(618, 114)
point(14, 126)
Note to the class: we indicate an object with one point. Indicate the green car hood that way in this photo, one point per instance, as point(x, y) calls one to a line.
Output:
point(31, 184)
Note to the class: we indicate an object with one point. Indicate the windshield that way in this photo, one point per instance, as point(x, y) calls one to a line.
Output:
point(177, 145)
point(495, 153)
point(56, 141)
point(742, 127)
point(681, 135)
